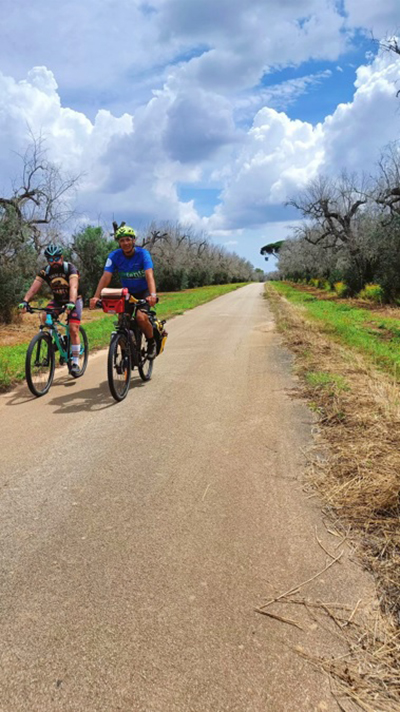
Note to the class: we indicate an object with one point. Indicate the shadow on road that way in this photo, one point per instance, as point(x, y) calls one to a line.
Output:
point(73, 401)
point(21, 398)
point(91, 399)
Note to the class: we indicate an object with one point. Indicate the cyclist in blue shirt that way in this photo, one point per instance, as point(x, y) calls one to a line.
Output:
point(135, 268)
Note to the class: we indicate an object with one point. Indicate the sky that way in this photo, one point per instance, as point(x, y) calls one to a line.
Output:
point(212, 113)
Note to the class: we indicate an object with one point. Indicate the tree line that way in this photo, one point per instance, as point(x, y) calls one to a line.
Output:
point(350, 232)
point(182, 258)
point(37, 213)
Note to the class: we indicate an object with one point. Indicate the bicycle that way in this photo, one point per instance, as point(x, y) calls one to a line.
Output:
point(40, 356)
point(127, 349)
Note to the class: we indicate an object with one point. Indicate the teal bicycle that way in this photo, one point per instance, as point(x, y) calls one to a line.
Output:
point(53, 336)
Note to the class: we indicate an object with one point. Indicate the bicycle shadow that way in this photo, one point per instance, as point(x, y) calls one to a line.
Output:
point(20, 398)
point(23, 395)
point(90, 400)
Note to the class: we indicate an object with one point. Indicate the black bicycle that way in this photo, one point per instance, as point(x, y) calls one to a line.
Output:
point(53, 336)
point(128, 346)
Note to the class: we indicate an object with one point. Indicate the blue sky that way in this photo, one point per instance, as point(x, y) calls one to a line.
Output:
point(211, 113)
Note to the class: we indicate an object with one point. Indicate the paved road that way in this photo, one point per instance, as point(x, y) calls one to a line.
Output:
point(138, 538)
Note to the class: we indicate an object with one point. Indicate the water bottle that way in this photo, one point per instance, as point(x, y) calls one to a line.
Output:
point(49, 320)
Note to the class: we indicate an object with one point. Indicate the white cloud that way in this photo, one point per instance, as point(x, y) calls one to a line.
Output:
point(357, 131)
point(279, 96)
point(281, 155)
point(204, 62)
point(371, 15)
point(278, 156)
point(116, 52)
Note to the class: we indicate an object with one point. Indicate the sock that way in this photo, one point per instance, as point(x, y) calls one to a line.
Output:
point(75, 349)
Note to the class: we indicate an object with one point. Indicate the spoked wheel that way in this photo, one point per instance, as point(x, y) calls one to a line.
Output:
point(119, 367)
point(40, 364)
point(145, 366)
point(83, 354)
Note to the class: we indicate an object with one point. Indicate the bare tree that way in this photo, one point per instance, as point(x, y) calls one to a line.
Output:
point(332, 208)
point(39, 201)
point(30, 217)
point(387, 191)
point(332, 205)
point(390, 45)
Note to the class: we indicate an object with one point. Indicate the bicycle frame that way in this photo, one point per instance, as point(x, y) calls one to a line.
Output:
point(51, 325)
point(61, 340)
point(128, 325)
point(125, 350)
point(40, 355)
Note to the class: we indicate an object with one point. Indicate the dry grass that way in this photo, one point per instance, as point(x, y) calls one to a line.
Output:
point(25, 327)
point(356, 468)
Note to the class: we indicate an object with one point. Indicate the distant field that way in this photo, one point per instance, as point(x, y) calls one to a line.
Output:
point(370, 332)
point(14, 339)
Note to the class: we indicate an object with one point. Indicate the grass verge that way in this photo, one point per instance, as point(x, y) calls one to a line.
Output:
point(356, 468)
point(373, 336)
point(12, 357)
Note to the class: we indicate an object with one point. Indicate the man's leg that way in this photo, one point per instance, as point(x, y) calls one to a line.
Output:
point(145, 324)
point(146, 327)
point(74, 321)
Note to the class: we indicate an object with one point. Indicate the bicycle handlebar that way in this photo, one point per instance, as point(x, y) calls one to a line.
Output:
point(49, 310)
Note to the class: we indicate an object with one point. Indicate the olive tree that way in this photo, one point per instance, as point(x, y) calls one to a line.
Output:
point(333, 210)
point(36, 208)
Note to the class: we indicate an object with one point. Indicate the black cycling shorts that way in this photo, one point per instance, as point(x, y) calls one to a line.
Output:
point(141, 295)
point(73, 317)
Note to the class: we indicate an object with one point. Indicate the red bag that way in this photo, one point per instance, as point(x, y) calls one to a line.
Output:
point(113, 300)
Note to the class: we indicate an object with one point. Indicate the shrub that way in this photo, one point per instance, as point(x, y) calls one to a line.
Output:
point(341, 289)
point(373, 292)
point(314, 282)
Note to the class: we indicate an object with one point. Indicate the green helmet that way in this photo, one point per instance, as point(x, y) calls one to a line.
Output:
point(125, 231)
point(53, 250)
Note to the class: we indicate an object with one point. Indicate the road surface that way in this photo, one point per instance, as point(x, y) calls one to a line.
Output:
point(137, 539)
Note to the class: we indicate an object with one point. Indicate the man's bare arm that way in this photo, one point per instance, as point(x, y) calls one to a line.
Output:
point(104, 281)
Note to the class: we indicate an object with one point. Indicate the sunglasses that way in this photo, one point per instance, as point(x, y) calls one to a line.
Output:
point(53, 259)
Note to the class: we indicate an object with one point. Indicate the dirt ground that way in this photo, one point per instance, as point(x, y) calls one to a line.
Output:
point(22, 330)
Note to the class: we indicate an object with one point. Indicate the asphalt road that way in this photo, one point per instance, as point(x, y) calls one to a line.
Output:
point(137, 539)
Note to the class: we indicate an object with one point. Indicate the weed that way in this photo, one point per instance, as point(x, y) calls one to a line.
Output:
point(341, 289)
point(322, 379)
point(374, 292)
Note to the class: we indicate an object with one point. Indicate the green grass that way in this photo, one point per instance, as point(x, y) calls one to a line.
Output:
point(12, 358)
point(367, 333)
point(322, 379)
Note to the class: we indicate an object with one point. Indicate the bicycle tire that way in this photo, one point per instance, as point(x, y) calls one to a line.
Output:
point(40, 341)
point(145, 366)
point(119, 366)
point(83, 357)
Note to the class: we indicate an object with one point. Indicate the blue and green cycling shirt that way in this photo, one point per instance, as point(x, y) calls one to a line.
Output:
point(131, 270)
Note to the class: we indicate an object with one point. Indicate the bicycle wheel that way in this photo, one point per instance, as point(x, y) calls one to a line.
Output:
point(119, 367)
point(40, 364)
point(83, 354)
point(145, 365)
